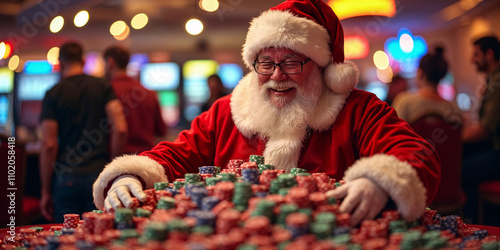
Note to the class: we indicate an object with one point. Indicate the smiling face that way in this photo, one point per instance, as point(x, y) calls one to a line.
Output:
point(280, 88)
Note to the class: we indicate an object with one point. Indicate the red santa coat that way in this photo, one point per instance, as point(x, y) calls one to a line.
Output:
point(366, 139)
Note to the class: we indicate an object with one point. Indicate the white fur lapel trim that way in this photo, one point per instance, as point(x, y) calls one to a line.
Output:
point(148, 169)
point(399, 179)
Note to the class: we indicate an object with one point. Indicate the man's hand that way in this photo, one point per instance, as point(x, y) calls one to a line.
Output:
point(119, 193)
point(363, 199)
point(47, 207)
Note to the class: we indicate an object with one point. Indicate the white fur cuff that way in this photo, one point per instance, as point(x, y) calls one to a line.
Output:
point(149, 170)
point(399, 179)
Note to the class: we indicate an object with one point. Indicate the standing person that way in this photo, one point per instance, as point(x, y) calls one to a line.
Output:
point(481, 160)
point(83, 127)
point(141, 106)
point(216, 91)
point(412, 106)
point(298, 108)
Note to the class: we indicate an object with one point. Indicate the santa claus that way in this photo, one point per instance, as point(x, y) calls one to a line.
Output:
point(298, 108)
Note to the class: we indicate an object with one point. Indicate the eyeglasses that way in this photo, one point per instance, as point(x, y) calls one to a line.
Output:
point(288, 67)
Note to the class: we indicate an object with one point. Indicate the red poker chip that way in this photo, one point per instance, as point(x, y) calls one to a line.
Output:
point(55, 228)
point(257, 225)
point(113, 234)
point(67, 239)
point(44, 234)
point(343, 219)
point(260, 240)
point(318, 199)
point(375, 244)
point(281, 235)
point(249, 164)
point(297, 219)
point(39, 242)
point(27, 231)
point(97, 239)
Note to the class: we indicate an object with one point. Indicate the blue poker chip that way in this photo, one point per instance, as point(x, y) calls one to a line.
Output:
point(209, 202)
point(68, 231)
point(481, 234)
point(341, 230)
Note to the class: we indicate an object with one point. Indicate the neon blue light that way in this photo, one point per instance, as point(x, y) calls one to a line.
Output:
point(230, 74)
point(408, 62)
point(39, 67)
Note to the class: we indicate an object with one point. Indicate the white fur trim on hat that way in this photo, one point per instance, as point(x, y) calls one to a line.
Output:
point(148, 169)
point(282, 29)
point(399, 179)
point(341, 77)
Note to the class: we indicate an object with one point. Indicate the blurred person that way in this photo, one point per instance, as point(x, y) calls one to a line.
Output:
point(141, 106)
point(397, 85)
point(217, 91)
point(481, 161)
point(83, 127)
point(412, 106)
point(298, 108)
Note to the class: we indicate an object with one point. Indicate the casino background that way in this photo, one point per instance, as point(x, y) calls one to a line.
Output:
point(175, 64)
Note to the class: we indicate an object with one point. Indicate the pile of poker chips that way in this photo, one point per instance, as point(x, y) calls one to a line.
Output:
point(224, 210)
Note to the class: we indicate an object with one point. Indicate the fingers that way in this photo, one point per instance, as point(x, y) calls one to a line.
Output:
point(113, 200)
point(360, 213)
point(374, 212)
point(338, 193)
point(349, 203)
point(137, 192)
point(107, 205)
point(124, 196)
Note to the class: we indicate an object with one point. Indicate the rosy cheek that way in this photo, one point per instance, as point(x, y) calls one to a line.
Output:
point(263, 79)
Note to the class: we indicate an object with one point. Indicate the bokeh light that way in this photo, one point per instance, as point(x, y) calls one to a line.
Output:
point(380, 59)
point(139, 21)
point(14, 62)
point(53, 56)
point(57, 24)
point(209, 5)
point(3, 49)
point(81, 18)
point(385, 75)
point(194, 26)
point(124, 35)
point(118, 28)
point(406, 43)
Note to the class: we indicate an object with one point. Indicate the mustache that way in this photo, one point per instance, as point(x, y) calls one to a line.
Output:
point(283, 84)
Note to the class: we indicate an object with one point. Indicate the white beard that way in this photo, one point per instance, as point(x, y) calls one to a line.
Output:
point(285, 124)
point(292, 117)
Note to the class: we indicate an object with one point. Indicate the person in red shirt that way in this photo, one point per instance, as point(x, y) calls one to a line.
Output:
point(141, 106)
point(298, 108)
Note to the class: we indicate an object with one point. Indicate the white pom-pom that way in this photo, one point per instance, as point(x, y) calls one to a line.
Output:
point(341, 77)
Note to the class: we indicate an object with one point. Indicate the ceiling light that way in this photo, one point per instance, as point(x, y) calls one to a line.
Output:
point(139, 21)
point(355, 47)
point(380, 59)
point(57, 24)
point(124, 35)
point(117, 28)
point(53, 56)
point(81, 18)
point(14, 62)
point(352, 8)
point(209, 5)
point(194, 26)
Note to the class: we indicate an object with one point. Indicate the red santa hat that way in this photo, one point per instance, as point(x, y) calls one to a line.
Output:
point(309, 27)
